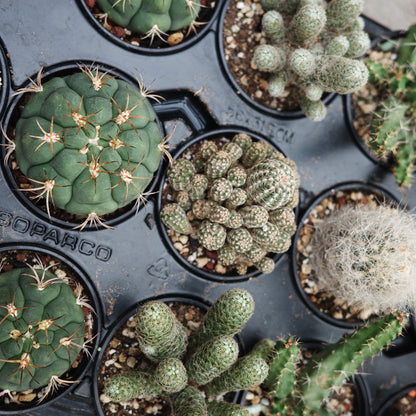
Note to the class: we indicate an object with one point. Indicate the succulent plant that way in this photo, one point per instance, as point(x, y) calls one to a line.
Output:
point(367, 256)
point(211, 360)
point(393, 129)
point(88, 142)
point(242, 194)
point(311, 47)
point(42, 329)
point(299, 391)
point(152, 17)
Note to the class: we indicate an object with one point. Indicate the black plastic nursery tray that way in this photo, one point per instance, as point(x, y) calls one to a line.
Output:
point(132, 262)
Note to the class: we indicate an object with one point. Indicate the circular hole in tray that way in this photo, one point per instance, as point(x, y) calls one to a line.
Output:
point(239, 72)
point(15, 256)
point(120, 342)
point(322, 304)
point(17, 180)
point(131, 41)
point(205, 273)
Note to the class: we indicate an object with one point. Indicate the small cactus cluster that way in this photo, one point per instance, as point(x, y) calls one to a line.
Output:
point(88, 142)
point(299, 390)
point(312, 46)
point(42, 330)
point(393, 128)
point(152, 17)
point(241, 195)
point(366, 256)
point(192, 372)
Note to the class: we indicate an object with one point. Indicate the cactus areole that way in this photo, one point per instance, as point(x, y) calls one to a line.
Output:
point(41, 329)
point(88, 142)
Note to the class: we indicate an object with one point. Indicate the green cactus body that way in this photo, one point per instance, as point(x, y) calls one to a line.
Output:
point(226, 409)
point(266, 264)
point(235, 220)
point(255, 153)
point(343, 13)
point(91, 140)
point(211, 235)
point(302, 62)
point(174, 217)
point(337, 46)
point(269, 58)
point(247, 372)
point(314, 110)
point(183, 200)
point(284, 218)
point(207, 149)
point(240, 240)
point(170, 375)
point(273, 25)
point(141, 16)
point(271, 238)
point(237, 197)
point(226, 255)
point(159, 333)
point(359, 43)
point(190, 401)
point(211, 359)
point(254, 216)
point(41, 331)
point(338, 361)
point(180, 174)
point(271, 183)
point(234, 150)
point(131, 385)
point(256, 253)
point(237, 175)
point(199, 184)
point(277, 85)
point(219, 214)
point(243, 140)
point(217, 165)
point(220, 189)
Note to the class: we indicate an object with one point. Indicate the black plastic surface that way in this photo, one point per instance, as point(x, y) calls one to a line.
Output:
point(131, 263)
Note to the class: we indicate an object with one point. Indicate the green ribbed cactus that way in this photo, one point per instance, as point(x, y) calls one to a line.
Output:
point(42, 329)
point(299, 391)
point(88, 142)
point(152, 17)
point(311, 46)
point(243, 193)
point(212, 352)
point(394, 122)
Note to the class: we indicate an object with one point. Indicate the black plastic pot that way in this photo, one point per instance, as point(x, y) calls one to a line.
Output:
point(5, 78)
point(188, 300)
point(385, 409)
point(13, 112)
point(207, 16)
point(213, 276)
point(352, 186)
point(81, 370)
point(327, 98)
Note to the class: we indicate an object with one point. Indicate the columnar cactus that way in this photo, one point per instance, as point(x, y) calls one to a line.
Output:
point(242, 194)
point(152, 17)
point(366, 256)
point(88, 142)
point(213, 352)
point(42, 329)
point(311, 47)
point(299, 391)
point(393, 129)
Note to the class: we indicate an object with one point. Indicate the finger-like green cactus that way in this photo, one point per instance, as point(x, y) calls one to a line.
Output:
point(233, 199)
point(42, 329)
point(311, 48)
point(213, 350)
point(88, 142)
point(151, 17)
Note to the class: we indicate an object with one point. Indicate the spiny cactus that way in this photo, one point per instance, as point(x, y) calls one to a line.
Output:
point(367, 256)
point(242, 194)
point(211, 360)
point(311, 47)
point(299, 391)
point(88, 142)
point(393, 129)
point(42, 329)
point(152, 17)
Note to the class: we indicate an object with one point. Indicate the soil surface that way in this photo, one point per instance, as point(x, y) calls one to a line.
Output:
point(405, 406)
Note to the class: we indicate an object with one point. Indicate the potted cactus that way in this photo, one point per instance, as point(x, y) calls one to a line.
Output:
point(358, 255)
point(47, 324)
point(152, 24)
point(236, 199)
point(191, 372)
point(383, 116)
point(88, 143)
point(306, 49)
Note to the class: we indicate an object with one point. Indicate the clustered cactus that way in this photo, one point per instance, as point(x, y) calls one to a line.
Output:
point(42, 329)
point(192, 372)
point(367, 256)
point(152, 17)
point(88, 142)
point(242, 196)
point(312, 46)
point(300, 390)
point(393, 129)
